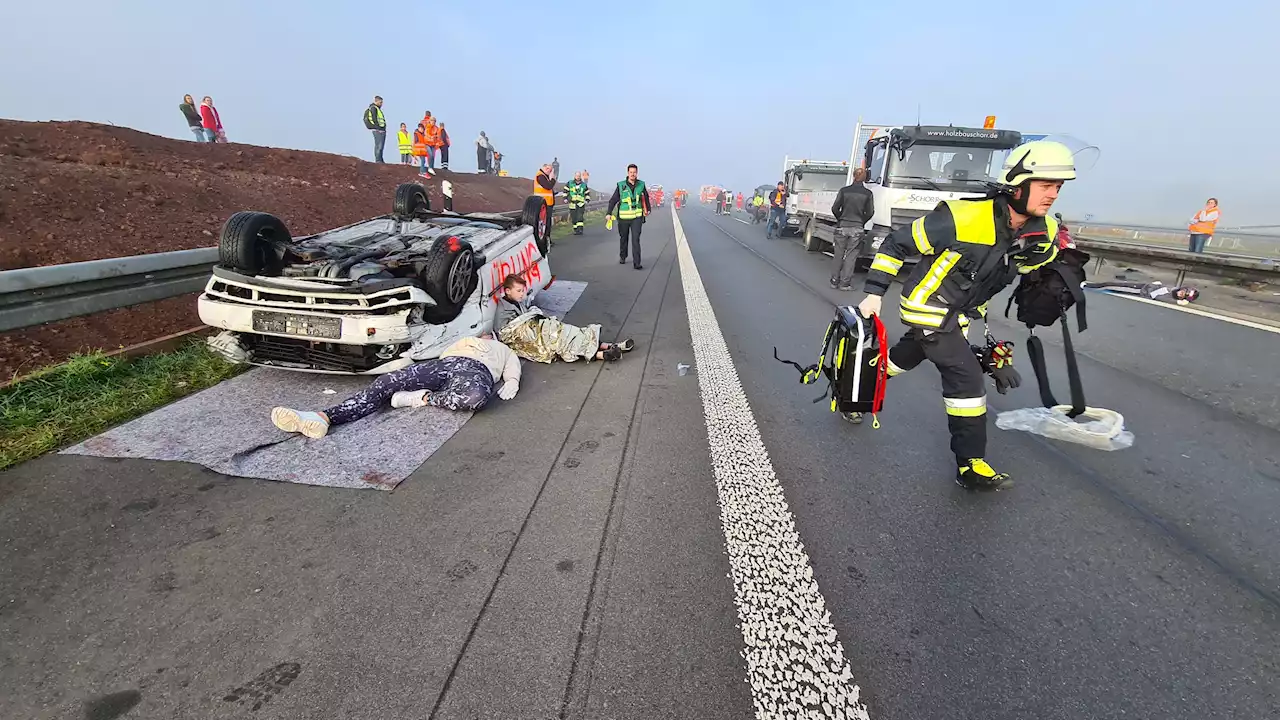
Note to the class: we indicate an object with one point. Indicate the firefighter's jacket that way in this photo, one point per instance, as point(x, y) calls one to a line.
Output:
point(968, 255)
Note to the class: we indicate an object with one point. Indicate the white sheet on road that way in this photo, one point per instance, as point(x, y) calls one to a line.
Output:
point(227, 428)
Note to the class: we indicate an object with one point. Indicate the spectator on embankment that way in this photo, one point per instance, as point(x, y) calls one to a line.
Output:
point(376, 123)
point(483, 154)
point(188, 108)
point(405, 141)
point(211, 121)
point(445, 142)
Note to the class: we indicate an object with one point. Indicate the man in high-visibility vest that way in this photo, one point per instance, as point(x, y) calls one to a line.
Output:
point(376, 122)
point(406, 145)
point(1203, 224)
point(544, 186)
point(575, 193)
point(632, 201)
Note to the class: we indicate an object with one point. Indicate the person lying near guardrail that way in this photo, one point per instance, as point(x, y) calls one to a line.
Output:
point(536, 336)
point(464, 377)
point(1150, 290)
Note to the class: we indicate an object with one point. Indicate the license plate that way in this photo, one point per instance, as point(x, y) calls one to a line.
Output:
point(289, 324)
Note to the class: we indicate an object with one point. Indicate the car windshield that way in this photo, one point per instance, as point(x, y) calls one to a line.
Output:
point(818, 181)
point(944, 167)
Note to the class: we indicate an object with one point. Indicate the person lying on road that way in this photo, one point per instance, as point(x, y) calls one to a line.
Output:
point(464, 377)
point(1150, 290)
point(536, 336)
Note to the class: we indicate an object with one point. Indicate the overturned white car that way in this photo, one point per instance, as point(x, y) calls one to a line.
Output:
point(371, 297)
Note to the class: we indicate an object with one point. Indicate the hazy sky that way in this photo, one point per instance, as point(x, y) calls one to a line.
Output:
point(1178, 95)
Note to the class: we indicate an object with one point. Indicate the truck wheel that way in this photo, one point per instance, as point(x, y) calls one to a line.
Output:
point(449, 277)
point(537, 215)
point(409, 199)
point(811, 243)
point(248, 243)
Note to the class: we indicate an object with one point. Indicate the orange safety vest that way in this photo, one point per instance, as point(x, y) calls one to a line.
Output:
point(1204, 222)
point(433, 135)
point(419, 144)
point(542, 192)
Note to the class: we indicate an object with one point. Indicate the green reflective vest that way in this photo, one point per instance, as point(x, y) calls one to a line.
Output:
point(576, 192)
point(631, 205)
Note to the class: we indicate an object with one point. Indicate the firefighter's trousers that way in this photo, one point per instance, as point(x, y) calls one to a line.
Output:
point(577, 215)
point(963, 386)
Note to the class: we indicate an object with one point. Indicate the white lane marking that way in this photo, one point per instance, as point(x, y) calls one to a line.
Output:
point(1196, 311)
point(795, 664)
point(744, 222)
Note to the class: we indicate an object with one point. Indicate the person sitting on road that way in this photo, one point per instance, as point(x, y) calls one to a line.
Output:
point(534, 335)
point(464, 377)
point(1155, 290)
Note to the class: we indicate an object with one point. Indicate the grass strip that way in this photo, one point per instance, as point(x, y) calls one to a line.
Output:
point(563, 228)
point(90, 393)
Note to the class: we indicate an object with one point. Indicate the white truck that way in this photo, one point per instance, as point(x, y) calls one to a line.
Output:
point(910, 169)
point(806, 179)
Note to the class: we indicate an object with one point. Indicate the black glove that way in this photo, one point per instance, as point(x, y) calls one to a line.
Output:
point(1001, 364)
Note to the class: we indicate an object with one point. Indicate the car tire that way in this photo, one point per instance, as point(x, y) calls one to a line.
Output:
point(811, 243)
point(449, 277)
point(537, 215)
point(249, 243)
point(410, 198)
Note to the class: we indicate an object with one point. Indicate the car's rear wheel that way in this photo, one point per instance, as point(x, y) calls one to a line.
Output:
point(409, 200)
point(537, 215)
point(251, 243)
point(449, 277)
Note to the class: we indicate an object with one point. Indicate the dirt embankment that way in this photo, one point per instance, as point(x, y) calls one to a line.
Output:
point(73, 191)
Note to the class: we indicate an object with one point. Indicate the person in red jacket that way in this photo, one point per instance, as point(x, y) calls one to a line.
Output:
point(211, 122)
point(739, 201)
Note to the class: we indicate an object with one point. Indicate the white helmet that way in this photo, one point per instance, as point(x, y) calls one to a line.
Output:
point(1038, 160)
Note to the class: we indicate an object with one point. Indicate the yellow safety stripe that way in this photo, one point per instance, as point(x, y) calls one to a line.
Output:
point(840, 355)
point(894, 369)
point(918, 319)
point(886, 264)
point(931, 282)
point(922, 307)
point(1052, 250)
point(975, 221)
point(966, 407)
point(921, 237)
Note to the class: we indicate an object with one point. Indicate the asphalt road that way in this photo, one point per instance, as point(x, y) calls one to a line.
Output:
point(592, 549)
point(1139, 583)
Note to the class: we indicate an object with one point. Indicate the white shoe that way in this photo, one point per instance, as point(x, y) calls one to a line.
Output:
point(409, 398)
point(311, 424)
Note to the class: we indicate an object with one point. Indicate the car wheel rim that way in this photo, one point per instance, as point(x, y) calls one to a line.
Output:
point(459, 276)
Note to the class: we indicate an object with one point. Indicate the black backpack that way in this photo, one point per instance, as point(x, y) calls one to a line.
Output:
point(1043, 297)
point(854, 360)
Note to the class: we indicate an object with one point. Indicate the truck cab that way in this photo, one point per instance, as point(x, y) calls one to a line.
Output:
point(910, 169)
point(806, 179)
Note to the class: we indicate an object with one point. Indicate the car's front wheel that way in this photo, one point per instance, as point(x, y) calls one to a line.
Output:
point(409, 200)
point(537, 215)
point(251, 243)
point(449, 277)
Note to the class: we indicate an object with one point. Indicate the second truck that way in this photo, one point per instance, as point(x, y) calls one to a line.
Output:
point(910, 169)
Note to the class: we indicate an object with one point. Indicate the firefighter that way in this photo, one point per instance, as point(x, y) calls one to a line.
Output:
point(575, 193)
point(971, 250)
point(632, 201)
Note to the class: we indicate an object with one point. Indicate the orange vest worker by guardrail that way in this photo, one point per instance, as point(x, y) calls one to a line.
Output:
point(544, 184)
point(1202, 225)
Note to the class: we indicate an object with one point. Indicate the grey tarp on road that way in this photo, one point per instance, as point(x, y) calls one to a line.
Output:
point(227, 428)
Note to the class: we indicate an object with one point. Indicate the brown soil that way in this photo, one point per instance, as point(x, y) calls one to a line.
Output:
point(74, 191)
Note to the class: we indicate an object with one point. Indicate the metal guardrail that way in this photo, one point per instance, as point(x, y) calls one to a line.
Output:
point(38, 295)
point(1240, 267)
point(1247, 243)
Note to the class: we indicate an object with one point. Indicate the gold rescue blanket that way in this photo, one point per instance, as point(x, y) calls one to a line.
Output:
point(537, 337)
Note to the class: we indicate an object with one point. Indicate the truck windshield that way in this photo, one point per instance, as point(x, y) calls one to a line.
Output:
point(817, 180)
point(944, 167)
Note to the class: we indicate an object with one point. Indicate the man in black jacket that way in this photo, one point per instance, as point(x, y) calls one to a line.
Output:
point(852, 209)
point(375, 121)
